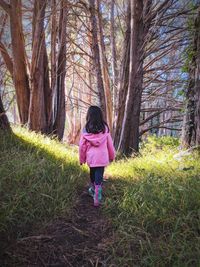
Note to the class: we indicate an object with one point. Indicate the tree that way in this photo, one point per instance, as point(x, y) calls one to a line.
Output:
point(123, 80)
point(77, 50)
point(44, 108)
point(96, 57)
point(114, 57)
point(40, 111)
point(20, 75)
point(4, 123)
point(191, 127)
point(129, 139)
point(104, 68)
point(155, 34)
point(59, 107)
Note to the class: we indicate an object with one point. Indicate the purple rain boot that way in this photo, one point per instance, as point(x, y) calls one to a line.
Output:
point(97, 195)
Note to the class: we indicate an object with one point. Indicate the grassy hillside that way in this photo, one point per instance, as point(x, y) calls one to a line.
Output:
point(39, 179)
point(154, 202)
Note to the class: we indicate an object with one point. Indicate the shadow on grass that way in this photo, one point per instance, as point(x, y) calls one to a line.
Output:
point(39, 180)
point(156, 220)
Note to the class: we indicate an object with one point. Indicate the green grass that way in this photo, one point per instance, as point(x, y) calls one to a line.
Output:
point(153, 200)
point(154, 203)
point(39, 179)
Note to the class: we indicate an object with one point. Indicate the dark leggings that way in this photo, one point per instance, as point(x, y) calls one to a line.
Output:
point(96, 175)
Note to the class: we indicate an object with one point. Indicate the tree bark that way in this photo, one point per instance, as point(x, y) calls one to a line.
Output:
point(40, 102)
point(129, 140)
point(104, 68)
point(59, 108)
point(20, 75)
point(123, 80)
point(96, 58)
point(53, 45)
point(114, 57)
point(188, 123)
point(4, 123)
point(197, 78)
point(191, 126)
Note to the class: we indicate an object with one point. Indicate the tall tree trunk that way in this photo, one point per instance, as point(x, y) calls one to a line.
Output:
point(53, 48)
point(129, 140)
point(20, 75)
point(191, 126)
point(114, 57)
point(4, 123)
point(123, 80)
point(104, 68)
point(47, 94)
point(96, 58)
point(188, 131)
point(40, 108)
point(197, 78)
point(90, 77)
point(59, 109)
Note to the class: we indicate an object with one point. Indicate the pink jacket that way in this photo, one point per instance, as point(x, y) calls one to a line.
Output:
point(96, 149)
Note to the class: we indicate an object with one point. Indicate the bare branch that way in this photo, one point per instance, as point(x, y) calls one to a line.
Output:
point(5, 6)
point(7, 59)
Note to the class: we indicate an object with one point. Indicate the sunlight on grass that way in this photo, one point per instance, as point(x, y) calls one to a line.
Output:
point(52, 147)
point(40, 178)
point(154, 201)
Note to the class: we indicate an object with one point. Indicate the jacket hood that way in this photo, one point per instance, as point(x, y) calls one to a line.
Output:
point(95, 139)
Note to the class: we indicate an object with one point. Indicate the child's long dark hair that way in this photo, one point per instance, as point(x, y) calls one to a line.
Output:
point(94, 121)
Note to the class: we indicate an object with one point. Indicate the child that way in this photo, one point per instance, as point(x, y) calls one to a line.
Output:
point(96, 148)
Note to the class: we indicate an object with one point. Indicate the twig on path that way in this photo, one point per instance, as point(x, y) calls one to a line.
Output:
point(80, 231)
point(97, 262)
point(37, 238)
point(66, 260)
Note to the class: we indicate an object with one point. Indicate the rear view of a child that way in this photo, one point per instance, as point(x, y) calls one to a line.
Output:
point(96, 149)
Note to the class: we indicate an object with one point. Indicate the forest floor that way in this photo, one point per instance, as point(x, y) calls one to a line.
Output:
point(150, 214)
point(80, 240)
point(47, 217)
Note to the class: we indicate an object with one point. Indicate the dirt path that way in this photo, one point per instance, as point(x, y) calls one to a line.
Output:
point(81, 240)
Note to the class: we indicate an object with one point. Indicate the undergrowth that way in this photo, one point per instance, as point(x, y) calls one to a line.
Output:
point(154, 203)
point(39, 179)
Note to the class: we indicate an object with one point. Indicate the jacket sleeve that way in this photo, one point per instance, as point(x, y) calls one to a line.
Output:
point(111, 149)
point(82, 150)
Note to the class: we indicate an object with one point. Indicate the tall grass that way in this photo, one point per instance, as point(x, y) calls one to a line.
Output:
point(154, 202)
point(39, 178)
